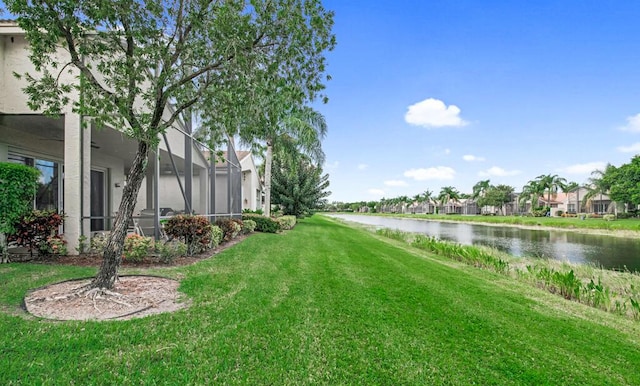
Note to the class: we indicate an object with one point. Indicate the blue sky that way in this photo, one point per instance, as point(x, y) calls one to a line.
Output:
point(427, 94)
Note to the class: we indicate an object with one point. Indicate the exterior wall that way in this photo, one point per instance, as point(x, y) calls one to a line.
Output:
point(251, 186)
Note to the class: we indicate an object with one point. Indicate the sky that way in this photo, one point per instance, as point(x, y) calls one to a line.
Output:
point(427, 94)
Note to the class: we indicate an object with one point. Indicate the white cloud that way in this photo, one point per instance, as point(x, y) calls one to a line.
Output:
point(395, 183)
point(376, 192)
point(633, 124)
point(362, 166)
point(433, 113)
point(585, 168)
point(447, 151)
point(635, 148)
point(496, 171)
point(434, 173)
point(472, 158)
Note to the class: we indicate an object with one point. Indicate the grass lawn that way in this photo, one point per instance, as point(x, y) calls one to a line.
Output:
point(630, 224)
point(324, 304)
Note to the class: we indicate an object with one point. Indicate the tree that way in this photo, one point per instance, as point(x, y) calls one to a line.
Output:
point(479, 191)
point(531, 192)
point(570, 187)
point(299, 186)
point(448, 194)
point(18, 185)
point(551, 184)
point(301, 131)
point(137, 57)
point(599, 183)
point(497, 196)
point(624, 182)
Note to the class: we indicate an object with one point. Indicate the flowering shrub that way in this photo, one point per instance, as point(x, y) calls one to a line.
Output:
point(55, 245)
point(34, 230)
point(97, 244)
point(136, 247)
point(286, 222)
point(170, 250)
point(216, 236)
point(230, 228)
point(248, 226)
point(195, 231)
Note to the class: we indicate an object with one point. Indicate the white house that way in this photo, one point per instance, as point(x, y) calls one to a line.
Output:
point(83, 170)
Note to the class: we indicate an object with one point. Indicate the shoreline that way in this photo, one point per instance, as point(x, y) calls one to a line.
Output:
point(623, 233)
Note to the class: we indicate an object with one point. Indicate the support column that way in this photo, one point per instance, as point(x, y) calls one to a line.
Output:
point(77, 179)
point(202, 197)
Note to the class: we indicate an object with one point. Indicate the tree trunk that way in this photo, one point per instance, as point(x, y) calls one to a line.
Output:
point(267, 179)
point(112, 258)
point(4, 249)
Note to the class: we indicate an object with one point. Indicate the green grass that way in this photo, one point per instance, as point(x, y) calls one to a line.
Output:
point(631, 224)
point(324, 304)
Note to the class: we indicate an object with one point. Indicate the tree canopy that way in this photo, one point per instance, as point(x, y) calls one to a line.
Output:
point(299, 186)
point(232, 63)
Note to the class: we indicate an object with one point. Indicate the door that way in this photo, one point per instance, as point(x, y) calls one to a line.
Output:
point(98, 200)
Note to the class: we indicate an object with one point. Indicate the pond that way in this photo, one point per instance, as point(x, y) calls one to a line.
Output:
point(606, 251)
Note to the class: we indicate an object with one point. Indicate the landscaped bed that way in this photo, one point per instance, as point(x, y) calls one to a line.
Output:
point(323, 304)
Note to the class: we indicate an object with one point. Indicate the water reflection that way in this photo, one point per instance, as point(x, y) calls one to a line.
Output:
point(607, 251)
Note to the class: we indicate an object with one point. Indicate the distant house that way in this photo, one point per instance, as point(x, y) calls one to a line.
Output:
point(249, 184)
point(83, 171)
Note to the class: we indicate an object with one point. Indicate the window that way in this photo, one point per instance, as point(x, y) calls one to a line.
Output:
point(49, 191)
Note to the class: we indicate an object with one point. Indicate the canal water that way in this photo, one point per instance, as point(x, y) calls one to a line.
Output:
point(606, 251)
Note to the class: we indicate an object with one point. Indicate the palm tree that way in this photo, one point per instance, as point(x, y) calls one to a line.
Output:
point(448, 194)
point(570, 187)
point(480, 189)
point(427, 196)
point(531, 191)
point(551, 184)
point(301, 131)
point(598, 185)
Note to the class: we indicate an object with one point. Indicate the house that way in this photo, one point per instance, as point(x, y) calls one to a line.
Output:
point(240, 163)
point(84, 170)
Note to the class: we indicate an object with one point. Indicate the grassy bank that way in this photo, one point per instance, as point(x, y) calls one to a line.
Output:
point(631, 224)
point(324, 304)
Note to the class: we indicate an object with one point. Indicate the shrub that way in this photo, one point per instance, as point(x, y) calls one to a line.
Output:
point(136, 247)
point(609, 217)
point(17, 186)
point(249, 211)
point(97, 244)
point(55, 245)
point(248, 226)
point(35, 229)
point(230, 228)
point(263, 223)
point(216, 236)
point(623, 215)
point(168, 251)
point(195, 231)
point(286, 222)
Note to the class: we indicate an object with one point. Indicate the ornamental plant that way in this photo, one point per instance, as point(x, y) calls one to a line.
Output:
point(195, 231)
point(35, 229)
point(248, 226)
point(230, 228)
point(18, 185)
point(55, 245)
point(263, 223)
point(136, 247)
